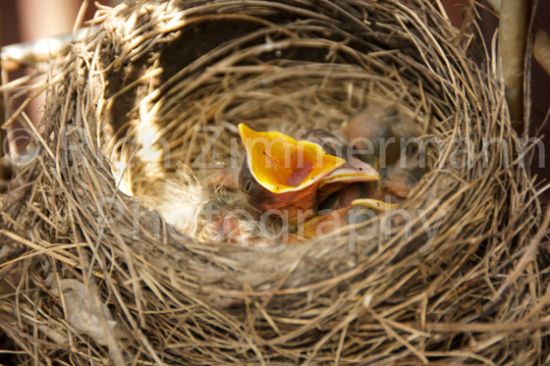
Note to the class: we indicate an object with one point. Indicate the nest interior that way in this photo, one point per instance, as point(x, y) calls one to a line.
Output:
point(94, 276)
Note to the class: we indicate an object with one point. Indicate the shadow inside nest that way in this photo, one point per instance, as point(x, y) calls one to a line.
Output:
point(181, 153)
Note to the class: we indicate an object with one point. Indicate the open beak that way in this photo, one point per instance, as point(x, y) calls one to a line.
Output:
point(374, 204)
point(282, 164)
point(353, 171)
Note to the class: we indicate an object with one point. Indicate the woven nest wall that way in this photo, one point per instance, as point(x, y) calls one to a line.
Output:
point(99, 277)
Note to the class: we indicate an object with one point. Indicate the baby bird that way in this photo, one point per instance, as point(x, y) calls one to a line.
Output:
point(358, 210)
point(380, 132)
point(348, 178)
point(283, 176)
point(399, 181)
point(388, 138)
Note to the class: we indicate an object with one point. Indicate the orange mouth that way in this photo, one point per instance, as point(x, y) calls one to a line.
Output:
point(282, 164)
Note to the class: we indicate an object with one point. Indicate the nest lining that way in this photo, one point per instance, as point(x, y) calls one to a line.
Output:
point(443, 287)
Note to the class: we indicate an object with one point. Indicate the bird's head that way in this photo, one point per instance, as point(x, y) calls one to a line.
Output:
point(281, 164)
point(281, 173)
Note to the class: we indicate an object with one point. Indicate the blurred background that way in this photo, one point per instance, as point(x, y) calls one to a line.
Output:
point(27, 20)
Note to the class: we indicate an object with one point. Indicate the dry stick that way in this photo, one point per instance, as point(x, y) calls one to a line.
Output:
point(527, 68)
point(487, 327)
point(541, 50)
point(528, 256)
point(3, 169)
point(496, 4)
point(80, 16)
point(18, 55)
point(512, 40)
point(2, 118)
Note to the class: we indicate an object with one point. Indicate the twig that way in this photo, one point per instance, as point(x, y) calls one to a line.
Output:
point(18, 55)
point(496, 4)
point(2, 108)
point(2, 117)
point(4, 169)
point(541, 50)
point(512, 40)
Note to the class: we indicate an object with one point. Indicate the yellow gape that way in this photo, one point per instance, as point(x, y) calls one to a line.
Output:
point(282, 164)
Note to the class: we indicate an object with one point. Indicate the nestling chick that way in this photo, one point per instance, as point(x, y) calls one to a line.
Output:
point(379, 132)
point(347, 178)
point(399, 181)
point(385, 133)
point(359, 210)
point(284, 175)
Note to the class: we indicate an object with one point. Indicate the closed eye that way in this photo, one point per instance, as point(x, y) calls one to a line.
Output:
point(247, 186)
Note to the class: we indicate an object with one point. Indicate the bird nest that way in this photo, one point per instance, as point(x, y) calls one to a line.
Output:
point(148, 105)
